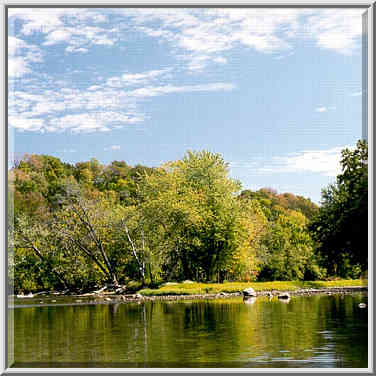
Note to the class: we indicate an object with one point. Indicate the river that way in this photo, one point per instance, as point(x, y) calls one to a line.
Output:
point(312, 331)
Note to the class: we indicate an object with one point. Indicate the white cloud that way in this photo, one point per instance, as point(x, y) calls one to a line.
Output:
point(66, 25)
point(20, 57)
point(113, 147)
point(168, 89)
point(197, 36)
point(201, 36)
point(321, 109)
point(131, 79)
point(100, 108)
point(17, 67)
point(26, 124)
point(325, 109)
point(326, 162)
point(15, 45)
point(58, 36)
point(339, 30)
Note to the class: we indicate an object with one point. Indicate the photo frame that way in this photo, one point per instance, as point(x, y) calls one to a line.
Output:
point(367, 133)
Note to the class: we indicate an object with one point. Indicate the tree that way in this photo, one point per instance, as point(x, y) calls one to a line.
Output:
point(341, 226)
point(193, 203)
point(36, 249)
point(288, 252)
point(86, 226)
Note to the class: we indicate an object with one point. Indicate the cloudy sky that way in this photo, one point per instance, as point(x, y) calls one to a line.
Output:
point(276, 91)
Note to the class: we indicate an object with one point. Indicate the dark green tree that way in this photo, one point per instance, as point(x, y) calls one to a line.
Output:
point(341, 226)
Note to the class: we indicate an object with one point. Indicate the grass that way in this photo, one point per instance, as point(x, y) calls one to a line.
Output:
point(195, 288)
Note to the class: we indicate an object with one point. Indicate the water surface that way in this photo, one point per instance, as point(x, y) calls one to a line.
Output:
point(316, 331)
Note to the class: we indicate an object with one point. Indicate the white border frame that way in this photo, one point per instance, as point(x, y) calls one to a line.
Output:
point(369, 7)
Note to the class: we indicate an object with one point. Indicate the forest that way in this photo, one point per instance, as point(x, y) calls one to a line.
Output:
point(78, 227)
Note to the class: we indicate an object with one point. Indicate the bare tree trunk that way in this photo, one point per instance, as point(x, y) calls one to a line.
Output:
point(97, 240)
point(140, 264)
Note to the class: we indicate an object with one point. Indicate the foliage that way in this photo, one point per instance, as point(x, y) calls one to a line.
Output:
point(341, 226)
point(80, 226)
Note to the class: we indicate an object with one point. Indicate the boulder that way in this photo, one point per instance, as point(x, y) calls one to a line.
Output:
point(249, 292)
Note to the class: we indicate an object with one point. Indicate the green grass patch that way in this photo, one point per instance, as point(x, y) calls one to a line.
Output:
point(197, 288)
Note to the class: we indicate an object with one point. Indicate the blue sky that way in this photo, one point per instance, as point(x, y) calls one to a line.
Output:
point(277, 92)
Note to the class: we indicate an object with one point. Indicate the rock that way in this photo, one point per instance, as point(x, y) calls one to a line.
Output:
point(53, 301)
point(78, 300)
point(138, 296)
point(249, 292)
point(284, 295)
point(220, 294)
point(362, 305)
point(108, 299)
point(30, 295)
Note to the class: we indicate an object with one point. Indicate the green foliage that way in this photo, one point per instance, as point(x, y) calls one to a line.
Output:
point(341, 226)
point(191, 203)
point(80, 226)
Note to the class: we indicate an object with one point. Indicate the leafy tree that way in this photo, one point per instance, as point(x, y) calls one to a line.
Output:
point(341, 226)
point(86, 226)
point(194, 201)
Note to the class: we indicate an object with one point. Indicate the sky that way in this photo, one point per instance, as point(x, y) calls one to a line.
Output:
point(277, 92)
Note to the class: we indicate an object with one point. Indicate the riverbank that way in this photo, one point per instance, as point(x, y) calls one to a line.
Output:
point(295, 287)
point(111, 298)
point(192, 290)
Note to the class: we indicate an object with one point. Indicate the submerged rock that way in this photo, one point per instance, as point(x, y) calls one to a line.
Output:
point(362, 305)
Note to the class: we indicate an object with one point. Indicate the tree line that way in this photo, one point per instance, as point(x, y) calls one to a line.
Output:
point(77, 227)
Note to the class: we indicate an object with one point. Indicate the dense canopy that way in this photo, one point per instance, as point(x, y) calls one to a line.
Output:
point(80, 226)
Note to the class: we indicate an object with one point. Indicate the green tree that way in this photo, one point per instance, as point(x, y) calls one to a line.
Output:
point(198, 213)
point(341, 226)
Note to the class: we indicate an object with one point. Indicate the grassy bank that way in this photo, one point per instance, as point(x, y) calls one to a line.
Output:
point(193, 288)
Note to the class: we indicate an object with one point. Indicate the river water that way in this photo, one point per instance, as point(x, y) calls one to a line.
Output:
point(315, 331)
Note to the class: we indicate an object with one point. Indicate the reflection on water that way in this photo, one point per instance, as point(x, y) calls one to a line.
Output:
point(316, 331)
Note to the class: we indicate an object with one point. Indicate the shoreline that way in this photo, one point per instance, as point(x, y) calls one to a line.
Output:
point(138, 298)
